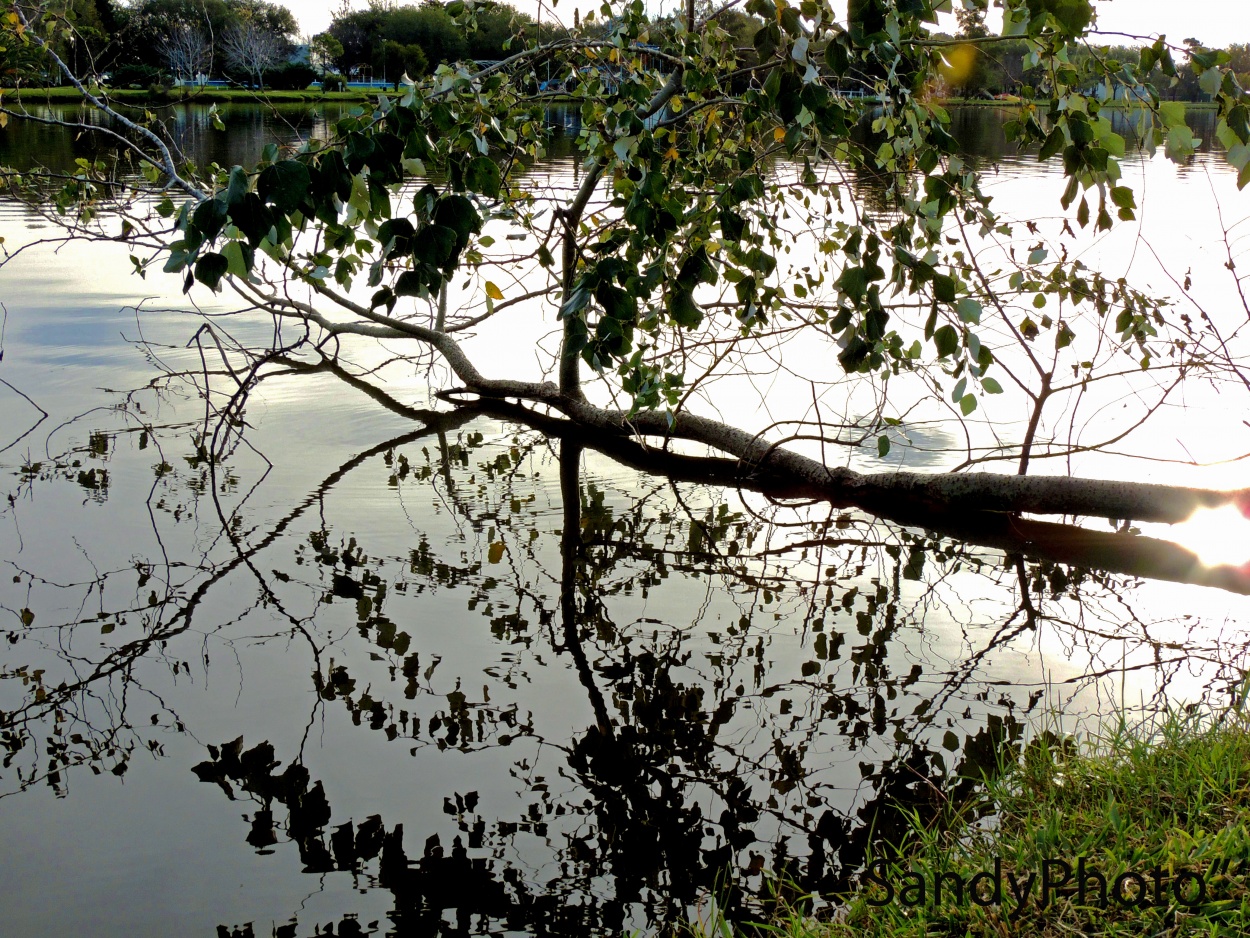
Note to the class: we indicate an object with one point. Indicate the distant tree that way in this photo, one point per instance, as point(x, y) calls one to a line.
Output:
point(358, 32)
point(972, 23)
point(325, 51)
point(363, 33)
point(146, 26)
point(1239, 61)
point(399, 60)
point(429, 26)
point(188, 51)
point(251, 48)
point(270, 16)
point(495, 26)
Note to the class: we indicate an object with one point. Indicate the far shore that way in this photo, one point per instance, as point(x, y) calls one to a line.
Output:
point(156, 97)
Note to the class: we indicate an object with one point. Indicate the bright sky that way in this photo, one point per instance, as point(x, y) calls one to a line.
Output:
point(1214, 22)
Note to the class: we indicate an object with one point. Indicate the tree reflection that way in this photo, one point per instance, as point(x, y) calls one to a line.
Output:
point(697, 694)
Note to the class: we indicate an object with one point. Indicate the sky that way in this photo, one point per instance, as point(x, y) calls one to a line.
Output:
point(1214, 22)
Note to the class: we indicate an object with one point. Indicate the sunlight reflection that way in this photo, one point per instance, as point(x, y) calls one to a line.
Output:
point(1217, 535)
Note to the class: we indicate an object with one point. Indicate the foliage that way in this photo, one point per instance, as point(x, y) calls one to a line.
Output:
point(132, 76)
point(293, 76)
point(145, 30)
point(188, 51)
point(399, 60)
point(368, 37)
point(325, 50)
point(251, 48)
point(687, 136)
point(971, 22)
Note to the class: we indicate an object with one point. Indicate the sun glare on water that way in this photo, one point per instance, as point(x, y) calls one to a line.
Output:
point(1217, 535)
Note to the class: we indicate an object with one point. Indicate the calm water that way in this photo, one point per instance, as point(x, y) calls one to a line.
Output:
point(425, 672)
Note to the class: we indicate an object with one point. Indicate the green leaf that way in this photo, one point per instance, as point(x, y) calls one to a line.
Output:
point(359, 148)
point(683, 309)
point(434, 245)
point(1053, 144)
point(744, 189)
point(1180, 144)
point(482, 175)
point(1123, 197)
point(457, 213)
point(284, 185)
point(209, 218)
point(1113, 143)
point(410, 283)
point(1210, 81)
point(1173, 114)
point(1072, 16)
point(1064, 337)
point(252, 218)
point(853, 282)
point(238, 187)
point(175, 262)
point(991, 386)
point(395, 235)
point(883, 447)
point(696, 269)
point(239, 258)
point(209, 270)
point(946, 339)
point(967, 404)
point(969, 310)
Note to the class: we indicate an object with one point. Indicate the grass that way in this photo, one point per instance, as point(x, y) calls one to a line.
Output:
point(1117, 105)
point(1165, 800)
point(200, 95)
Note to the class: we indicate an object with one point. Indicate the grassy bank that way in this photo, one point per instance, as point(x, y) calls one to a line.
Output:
point(143, 97)
point(1161, 809)
point(1117, 105)
point(147, 97)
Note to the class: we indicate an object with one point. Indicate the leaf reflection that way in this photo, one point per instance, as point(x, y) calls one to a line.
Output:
point(657, 689)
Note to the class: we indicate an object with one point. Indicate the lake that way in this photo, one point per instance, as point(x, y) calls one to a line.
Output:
point(416, 670)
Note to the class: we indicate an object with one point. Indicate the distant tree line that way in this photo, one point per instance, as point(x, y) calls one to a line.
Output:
point(385, 41)
point(252, 42)
point(155, 41)
point(1000, 68)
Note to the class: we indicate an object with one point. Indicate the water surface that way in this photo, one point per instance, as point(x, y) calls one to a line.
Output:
point(419, 671)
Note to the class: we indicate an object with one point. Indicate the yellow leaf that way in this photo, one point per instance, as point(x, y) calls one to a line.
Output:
point(779, 134)
point(495, 553)
point(495, 294)
point(671, 153)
